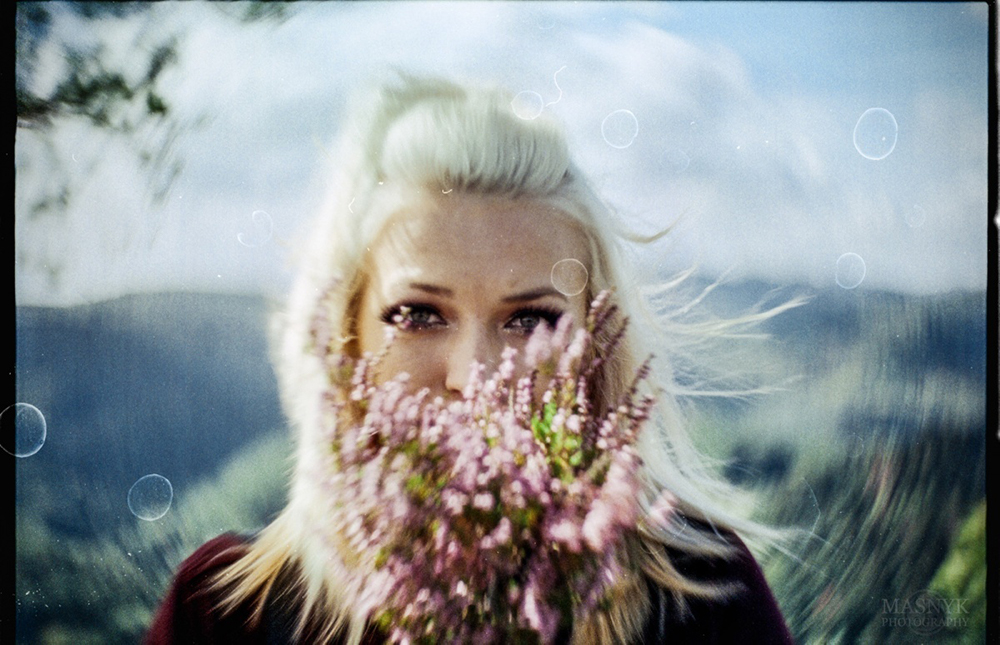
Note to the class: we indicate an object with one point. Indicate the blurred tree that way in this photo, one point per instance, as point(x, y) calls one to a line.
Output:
point(68, 81)
point(962, 578)
point(89, 85)
point(888, 517)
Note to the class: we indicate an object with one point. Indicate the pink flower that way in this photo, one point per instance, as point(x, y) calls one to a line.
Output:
point(416, 489)
point(502, 533)
point(597, 525)
point(567, 532)
point(539, 347)
point(454, 501)
point(483, 501)
point(539, 615)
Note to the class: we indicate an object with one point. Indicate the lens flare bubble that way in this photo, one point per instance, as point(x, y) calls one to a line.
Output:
point(528, 105)
point(22, 430)
point(850, 270)
point(916, 216)
point(674, 161)
point(255, 229)
point(150, 497)
point(875, 134)
point(620, 128)
point(569, 276)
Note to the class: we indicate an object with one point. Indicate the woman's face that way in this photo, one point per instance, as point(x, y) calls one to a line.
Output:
point(469, 275)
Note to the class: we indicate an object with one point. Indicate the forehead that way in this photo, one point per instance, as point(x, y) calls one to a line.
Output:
point(507, 242)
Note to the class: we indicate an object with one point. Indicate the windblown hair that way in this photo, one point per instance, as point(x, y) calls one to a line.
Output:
point(418, 136)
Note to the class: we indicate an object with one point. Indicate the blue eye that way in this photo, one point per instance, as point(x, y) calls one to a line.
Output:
point(412, 317)
point(527, 320)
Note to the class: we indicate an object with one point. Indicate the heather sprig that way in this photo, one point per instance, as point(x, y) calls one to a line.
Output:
point(499, 516)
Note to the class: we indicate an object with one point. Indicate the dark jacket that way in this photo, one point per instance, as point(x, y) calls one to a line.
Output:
point(188, 616)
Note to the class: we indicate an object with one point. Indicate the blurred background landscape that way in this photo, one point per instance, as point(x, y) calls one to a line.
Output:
point(167, 153)
point(877, 449)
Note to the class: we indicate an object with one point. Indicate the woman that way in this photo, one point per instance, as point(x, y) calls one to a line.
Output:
point(472, 227)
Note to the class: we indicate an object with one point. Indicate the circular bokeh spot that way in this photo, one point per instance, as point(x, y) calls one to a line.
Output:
point(528, 105)
point(875, 134)
point(22, 429)
point(674, 161)
point(255, 229)
point(569, 276)
point(150, 497)
point(851, 270)
point(620, 128)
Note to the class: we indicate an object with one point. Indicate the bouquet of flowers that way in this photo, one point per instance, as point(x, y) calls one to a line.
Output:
point(497, 517)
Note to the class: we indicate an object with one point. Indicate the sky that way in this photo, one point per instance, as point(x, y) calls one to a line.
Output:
point(832, 145)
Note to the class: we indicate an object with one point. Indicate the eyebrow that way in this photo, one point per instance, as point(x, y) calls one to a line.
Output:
point(534, 294)
point(432, 289)
point(524, 296)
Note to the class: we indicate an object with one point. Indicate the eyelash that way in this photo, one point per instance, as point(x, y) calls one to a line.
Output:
point(391, 313)
point(548, 315)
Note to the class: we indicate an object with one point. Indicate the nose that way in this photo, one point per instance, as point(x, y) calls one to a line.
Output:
point(474, 344)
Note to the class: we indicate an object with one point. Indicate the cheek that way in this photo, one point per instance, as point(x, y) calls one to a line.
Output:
point(424, 359)
point(369, 328)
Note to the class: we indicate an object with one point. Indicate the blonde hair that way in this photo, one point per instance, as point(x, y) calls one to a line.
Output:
point(428, 136)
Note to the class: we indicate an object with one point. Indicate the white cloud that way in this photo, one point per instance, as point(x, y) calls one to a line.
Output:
point(768, 180)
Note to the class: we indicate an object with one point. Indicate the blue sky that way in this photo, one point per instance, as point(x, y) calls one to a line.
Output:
point(839, 47)
point(744, 116)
